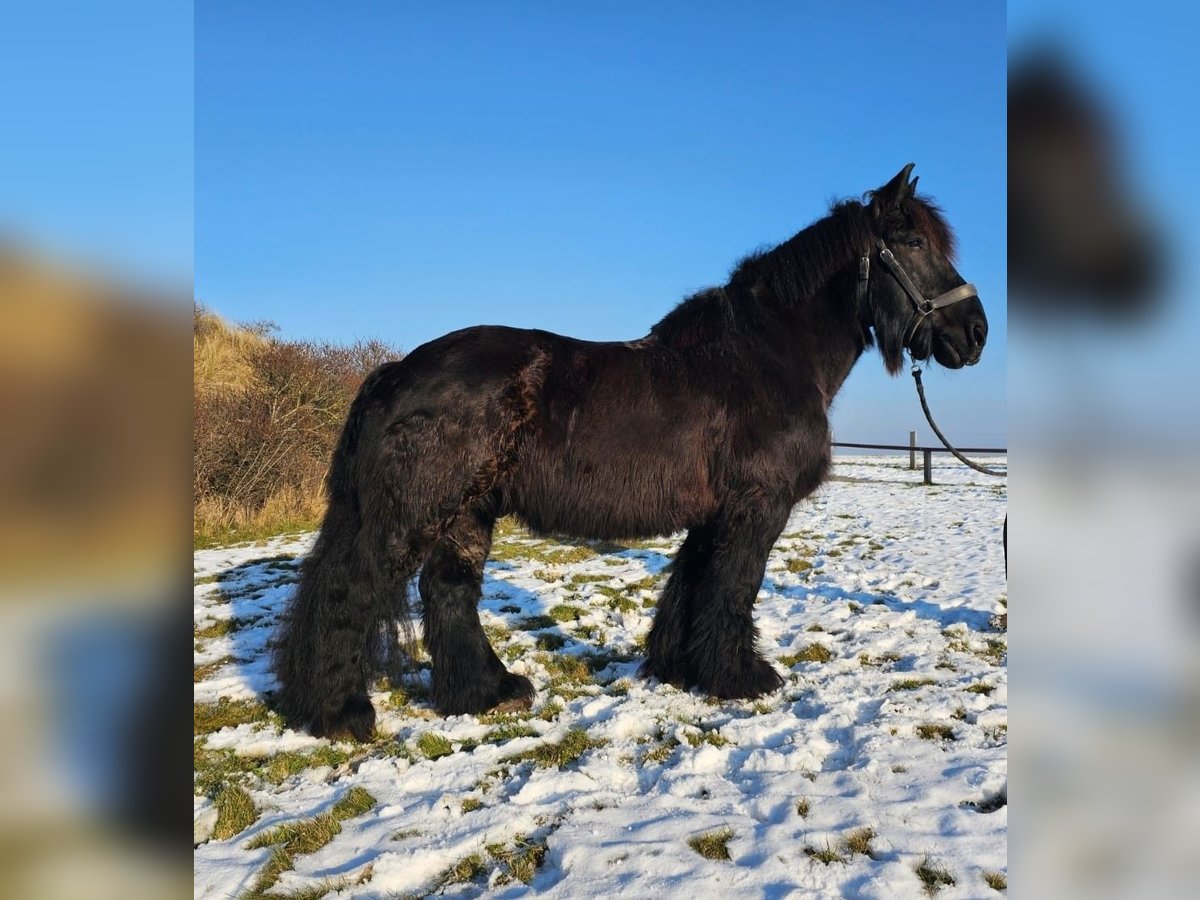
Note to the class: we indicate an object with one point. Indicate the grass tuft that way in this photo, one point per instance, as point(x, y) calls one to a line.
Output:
point(434, 746)
point(522, 860)
point(859, 841)
point(290, 762)
point(304, 836)
point(712, 844)
point(981, 688)
point(210, 717)
point(565, 612)
point(826, 854)
point(561, 753)
point(816, 653)
point(934, 877)
point(997, 881)
point(235, 812)
point(803, 807)
point(935, 731)
point(911, 684)
point(509, 731)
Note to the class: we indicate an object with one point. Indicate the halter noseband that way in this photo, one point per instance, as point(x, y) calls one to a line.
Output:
point(922, 307)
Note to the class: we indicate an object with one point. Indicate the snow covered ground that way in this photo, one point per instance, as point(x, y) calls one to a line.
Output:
point(880, 770)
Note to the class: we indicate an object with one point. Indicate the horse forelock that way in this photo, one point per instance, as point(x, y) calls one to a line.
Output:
point(927, 218)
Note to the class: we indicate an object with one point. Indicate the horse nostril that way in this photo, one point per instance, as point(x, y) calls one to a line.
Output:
point(978, 334)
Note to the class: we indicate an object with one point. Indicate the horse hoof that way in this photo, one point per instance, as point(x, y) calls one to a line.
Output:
point(750, 680)
point(516, 694)
point(356, 719)
point(516, 704)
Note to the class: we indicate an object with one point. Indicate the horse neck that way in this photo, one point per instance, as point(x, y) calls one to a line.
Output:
point(818, 339)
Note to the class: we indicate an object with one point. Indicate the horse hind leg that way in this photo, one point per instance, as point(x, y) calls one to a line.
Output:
point(468, 677)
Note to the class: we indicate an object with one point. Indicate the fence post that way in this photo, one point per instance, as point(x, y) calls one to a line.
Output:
point(912, 450)
point(928, 466)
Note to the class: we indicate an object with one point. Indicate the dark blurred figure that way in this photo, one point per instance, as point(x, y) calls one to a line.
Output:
point(1077, 242)
point(93, 500)
point(1105, 764)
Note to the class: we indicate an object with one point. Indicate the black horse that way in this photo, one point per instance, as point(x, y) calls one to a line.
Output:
point(715, 422)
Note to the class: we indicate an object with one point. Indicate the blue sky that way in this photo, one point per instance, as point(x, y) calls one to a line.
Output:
point(386, 170)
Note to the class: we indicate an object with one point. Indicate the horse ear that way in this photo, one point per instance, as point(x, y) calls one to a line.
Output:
point(895, 192)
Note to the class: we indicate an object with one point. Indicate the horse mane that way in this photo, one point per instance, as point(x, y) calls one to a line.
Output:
point(793, 272)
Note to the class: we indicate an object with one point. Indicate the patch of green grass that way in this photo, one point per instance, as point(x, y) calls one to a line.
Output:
point(911, 684)
point(566, 667)
point(855, 608)
point(219, 628)
point(619, 688)
point(468, 869)
point(865, 659)
point(497, 634)
point(934, 877)
point(816, 653)
point(994, 651)
point(206, 670)
point(997, 881)
point(470, 804)
point(660, 752)
point(536, 623)
point(509, 731)
point(406, 833)
point(589, 579)
point(213, 769)
point(305, 836)
point(618, 600)
point(706, 736)
point(550, 710)
point(803, 807)
point(290, 762)
point(935, 731)
point(980, 688)
point(796, 565)
point(210, 717)
point(206, 579)
point(565, 612)
point(815, 627)
point(434, 746)
point(235, 812)
point(558, 754)
point(521, 861)
point(826, 855)
point(712, 844)
point(218, 536)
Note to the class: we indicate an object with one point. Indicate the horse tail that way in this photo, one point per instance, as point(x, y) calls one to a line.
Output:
point(341, 625)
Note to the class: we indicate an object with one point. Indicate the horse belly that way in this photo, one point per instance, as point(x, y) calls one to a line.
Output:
point(642, 488)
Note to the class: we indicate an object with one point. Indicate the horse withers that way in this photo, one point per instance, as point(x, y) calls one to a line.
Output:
point(716, 423)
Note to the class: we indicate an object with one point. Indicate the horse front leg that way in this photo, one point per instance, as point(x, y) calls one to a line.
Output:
point(666, 648)
point(721, 649)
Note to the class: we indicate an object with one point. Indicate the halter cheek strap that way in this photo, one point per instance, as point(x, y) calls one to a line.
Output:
point(922, 306)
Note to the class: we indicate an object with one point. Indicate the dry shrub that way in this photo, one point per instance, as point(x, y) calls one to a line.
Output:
point(267, 414)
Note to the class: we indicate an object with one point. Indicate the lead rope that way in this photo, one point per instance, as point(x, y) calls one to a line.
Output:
point(916, 374)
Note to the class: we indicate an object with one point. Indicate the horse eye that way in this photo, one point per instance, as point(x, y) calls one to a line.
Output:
point(915, 243)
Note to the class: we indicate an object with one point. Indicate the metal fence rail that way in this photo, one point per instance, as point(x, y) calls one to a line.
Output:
point(926, 452)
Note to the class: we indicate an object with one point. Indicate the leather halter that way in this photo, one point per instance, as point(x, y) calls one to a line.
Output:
point(922, 306)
